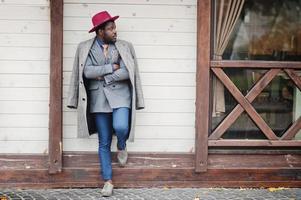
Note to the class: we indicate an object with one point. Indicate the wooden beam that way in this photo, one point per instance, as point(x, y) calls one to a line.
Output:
point(81, 169)
point(202, 85)
point(292, 131)
point(56, 83)
point(254, 143)
point(255, 64)
point(294, 76)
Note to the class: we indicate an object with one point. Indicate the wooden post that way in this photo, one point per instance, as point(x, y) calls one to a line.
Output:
point(202, 113)
point(55, 99)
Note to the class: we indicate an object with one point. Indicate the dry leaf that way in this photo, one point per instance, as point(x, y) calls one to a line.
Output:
point(271, 189)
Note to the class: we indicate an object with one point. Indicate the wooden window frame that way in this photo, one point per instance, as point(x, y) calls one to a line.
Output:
point(206, 66)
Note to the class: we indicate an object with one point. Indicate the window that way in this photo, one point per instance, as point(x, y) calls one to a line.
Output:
point(267, 30)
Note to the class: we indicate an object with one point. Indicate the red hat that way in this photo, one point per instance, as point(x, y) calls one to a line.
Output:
point(101, 18)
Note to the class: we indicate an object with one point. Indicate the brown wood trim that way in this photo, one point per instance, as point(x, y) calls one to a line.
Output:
point(254, 143)
point(257, 119)
point(153, 170)
point(254, 150)
point(255, 64)
point(296, 126)
point(294, 76)
point(202, 85)
point(236, 112)
point(56, 83)
point(292, 131)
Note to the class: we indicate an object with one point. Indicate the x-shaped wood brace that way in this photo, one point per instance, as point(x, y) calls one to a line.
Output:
point(244, 103)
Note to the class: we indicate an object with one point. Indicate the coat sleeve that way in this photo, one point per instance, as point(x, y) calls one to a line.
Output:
point(93, 71)
point(139, 93)
point(118, 75)
point(72, 98)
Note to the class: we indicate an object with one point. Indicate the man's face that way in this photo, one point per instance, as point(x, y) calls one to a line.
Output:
point(109, 33)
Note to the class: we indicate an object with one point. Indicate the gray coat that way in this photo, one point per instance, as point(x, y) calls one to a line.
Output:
point(77, 94)
point(113, 90)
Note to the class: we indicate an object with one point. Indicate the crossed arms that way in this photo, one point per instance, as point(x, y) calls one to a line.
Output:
point(108, 72)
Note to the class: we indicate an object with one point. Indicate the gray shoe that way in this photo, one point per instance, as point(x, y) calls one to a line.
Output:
point(107, 189)
point(122, 157)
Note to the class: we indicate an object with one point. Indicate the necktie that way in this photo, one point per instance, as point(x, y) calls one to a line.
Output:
point(105, 49)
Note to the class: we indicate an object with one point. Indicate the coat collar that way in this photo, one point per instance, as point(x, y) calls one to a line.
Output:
point(89, 44)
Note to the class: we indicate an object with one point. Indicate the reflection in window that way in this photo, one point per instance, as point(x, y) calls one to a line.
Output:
point(266, 30)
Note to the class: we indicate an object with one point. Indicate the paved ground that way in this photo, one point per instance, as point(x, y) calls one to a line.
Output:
point(154, 194)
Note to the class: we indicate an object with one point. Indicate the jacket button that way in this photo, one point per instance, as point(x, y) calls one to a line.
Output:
point(81, 82)
point(83, 99)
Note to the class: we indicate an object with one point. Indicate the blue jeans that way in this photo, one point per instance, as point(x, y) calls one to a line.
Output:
point(105, 123)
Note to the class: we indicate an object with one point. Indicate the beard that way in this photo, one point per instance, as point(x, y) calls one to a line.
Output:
point(109, 40)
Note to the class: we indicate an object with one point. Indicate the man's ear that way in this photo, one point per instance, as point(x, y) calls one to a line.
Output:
point(100, 32)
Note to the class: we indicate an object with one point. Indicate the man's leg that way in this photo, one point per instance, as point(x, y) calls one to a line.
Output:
point(121, 125)
point(104, 129)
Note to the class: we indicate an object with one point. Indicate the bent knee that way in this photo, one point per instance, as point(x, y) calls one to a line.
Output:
point(121, 128)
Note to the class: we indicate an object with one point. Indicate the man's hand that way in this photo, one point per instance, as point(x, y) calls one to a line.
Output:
point(99, 78)
point(116, 66)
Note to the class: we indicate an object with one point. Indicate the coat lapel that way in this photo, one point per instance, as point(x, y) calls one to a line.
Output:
point(86, 48)
point(97, 53)
point(125, 55)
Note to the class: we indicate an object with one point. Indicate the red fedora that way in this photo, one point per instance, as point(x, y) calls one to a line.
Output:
point(101, 18)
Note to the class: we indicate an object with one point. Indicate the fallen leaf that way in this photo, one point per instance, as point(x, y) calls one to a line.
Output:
point(271, 189)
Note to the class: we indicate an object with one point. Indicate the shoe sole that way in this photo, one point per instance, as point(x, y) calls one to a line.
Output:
point(106, 195)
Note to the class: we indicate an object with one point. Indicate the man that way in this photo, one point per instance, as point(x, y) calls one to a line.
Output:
point(105, 73)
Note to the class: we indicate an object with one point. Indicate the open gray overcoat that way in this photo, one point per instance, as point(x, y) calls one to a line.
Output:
point(77, 94)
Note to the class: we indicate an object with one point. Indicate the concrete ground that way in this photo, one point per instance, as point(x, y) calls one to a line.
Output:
point(153, 194)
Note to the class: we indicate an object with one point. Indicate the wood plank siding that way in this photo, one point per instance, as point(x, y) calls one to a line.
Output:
point(24, 76)
point(164, 36)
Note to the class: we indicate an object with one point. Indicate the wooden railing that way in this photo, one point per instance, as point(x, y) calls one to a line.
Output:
point(244, 103)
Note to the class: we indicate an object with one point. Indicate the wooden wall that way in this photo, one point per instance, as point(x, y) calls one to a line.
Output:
point(164, 36)
point(24, 76)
